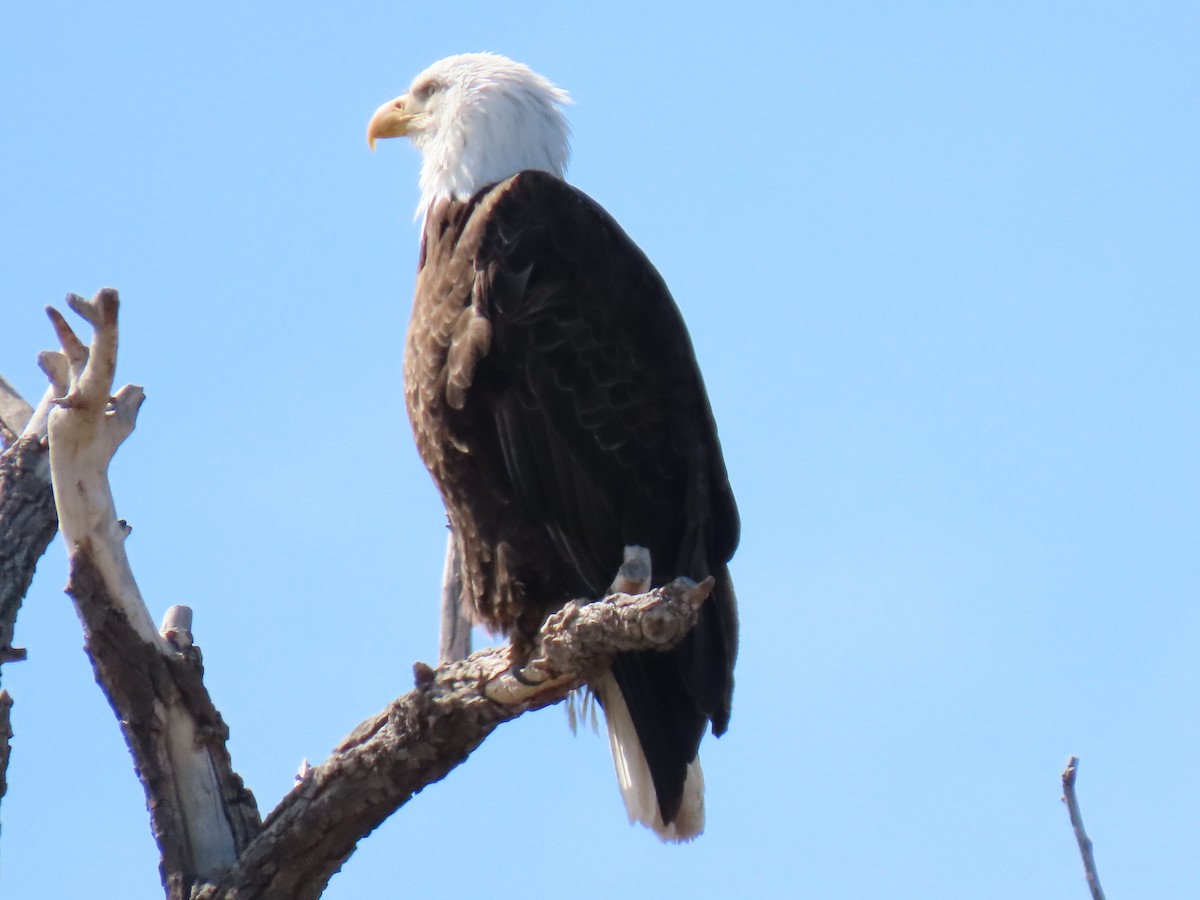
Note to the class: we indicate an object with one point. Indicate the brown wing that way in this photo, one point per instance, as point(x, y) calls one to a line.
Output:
point(605, 438)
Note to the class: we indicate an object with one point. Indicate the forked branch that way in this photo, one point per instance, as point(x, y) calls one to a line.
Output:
point(200, 813)
point(205, 821)
point(421, 736)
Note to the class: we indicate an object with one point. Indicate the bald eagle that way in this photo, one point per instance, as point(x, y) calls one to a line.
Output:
point(556, 400)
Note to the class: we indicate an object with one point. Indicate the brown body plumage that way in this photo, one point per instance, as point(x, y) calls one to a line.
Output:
point(555, 398)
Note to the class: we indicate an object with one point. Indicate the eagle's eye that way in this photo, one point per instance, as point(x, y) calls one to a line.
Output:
point(426, 90)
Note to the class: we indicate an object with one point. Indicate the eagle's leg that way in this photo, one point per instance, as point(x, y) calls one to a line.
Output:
point(455, 639)
point(634, 575)
point(632, 578)
point(529, 672)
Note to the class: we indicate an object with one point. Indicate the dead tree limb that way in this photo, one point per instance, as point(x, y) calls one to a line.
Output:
point(206, 823)
point(28, 520)
point(201, 815)
point(28, 523)
point(421, 736)
point(1085, 843)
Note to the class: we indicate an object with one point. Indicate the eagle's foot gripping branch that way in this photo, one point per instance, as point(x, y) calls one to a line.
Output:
point(531, 673)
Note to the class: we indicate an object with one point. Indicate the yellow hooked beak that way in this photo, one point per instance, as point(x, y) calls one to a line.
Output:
point(390, 120)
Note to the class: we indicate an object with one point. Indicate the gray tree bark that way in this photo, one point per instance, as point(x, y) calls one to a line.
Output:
point(28, 522)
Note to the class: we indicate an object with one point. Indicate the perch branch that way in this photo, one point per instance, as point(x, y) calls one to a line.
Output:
point(1085, 843)
point(421, 736)
point(201, 814)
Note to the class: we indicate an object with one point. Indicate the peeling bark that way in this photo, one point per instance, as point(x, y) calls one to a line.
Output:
point(166, 715)
point(201, 814)
point(28, 522)
point(27, 525)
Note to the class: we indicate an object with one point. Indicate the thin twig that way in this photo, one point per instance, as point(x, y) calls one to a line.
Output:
point(1085, 843)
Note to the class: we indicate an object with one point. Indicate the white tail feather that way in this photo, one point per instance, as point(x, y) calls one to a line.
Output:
point(633, 773)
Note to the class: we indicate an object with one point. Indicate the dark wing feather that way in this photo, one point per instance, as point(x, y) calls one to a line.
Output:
point(592, 364)
point(607, 440)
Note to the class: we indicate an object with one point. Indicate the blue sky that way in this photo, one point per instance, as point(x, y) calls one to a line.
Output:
point(939, 262)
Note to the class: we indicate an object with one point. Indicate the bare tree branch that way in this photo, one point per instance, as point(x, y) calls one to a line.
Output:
point(421, 736)
point(200, 813)
point(28, 520)
point(168, 721)
point(1085, 843)
point(205, 821)
point(28, 523)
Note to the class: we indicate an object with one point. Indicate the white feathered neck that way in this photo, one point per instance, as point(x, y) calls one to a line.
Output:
point(488, 118)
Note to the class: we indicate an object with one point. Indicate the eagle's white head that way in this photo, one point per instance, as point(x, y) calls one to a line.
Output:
point(477, 118)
